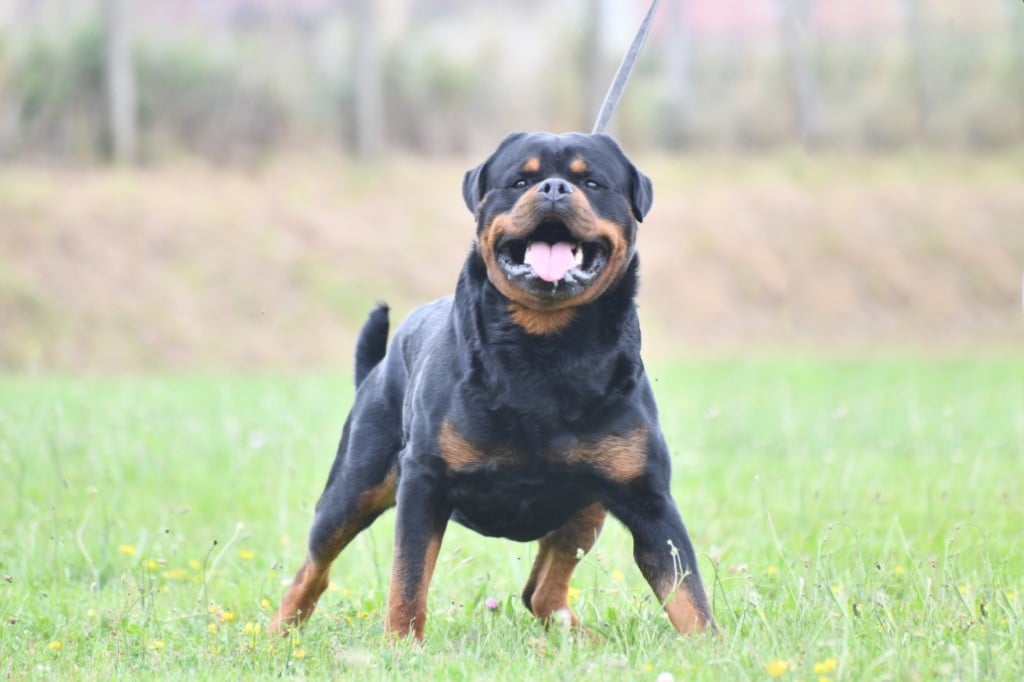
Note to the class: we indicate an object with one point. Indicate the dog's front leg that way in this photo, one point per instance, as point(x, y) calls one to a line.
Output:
point(664, 554)
point(420, 524)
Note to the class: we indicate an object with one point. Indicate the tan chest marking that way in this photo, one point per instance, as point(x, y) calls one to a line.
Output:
point(541, 322)
point(456, 451)
point(459, 454)
point(620, 458)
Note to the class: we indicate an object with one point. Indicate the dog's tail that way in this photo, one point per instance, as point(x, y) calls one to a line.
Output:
point(372, 342)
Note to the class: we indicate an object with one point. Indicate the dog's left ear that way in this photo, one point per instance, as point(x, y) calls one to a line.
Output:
point(642, 195)
point(641, 191)
point(474, 183)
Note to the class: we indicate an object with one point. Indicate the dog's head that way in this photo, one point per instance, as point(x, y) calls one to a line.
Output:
point(556, 217)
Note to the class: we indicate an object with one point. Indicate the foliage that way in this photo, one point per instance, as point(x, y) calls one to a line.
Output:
point(262, 83)
point(57, 79)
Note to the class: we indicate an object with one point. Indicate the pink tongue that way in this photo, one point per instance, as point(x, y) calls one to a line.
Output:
point(550, 262)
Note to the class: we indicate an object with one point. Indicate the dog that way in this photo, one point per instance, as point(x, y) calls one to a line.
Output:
point(519, 406)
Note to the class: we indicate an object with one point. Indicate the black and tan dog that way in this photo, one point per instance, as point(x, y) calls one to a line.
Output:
point(518, 407)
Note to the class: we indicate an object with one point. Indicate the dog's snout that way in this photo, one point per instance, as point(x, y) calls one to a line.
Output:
point(554, 189)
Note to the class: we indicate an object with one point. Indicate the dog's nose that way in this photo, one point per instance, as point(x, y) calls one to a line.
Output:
point(554, 189)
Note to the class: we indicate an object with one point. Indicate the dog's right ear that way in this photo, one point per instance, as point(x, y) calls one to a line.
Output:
point(474, 183)
point(472, 187)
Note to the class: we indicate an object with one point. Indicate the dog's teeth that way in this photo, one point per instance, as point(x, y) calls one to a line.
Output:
point(578, 253)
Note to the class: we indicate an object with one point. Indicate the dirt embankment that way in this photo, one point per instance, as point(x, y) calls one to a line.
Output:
point(190, 266)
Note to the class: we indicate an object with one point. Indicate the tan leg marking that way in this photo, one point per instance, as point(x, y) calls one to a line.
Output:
point(547, 588)
point(409, 614)
point(682, 610)
point(312, 578)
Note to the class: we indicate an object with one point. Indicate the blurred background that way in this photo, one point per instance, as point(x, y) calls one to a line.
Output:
point(190, 185)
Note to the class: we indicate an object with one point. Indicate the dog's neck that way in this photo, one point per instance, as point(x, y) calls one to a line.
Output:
point(595, 354)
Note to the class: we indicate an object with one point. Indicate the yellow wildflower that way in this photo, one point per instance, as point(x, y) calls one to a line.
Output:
point(826, 666)
point(573, 594)
point(246, 554)
point(156, 645)
point(55, 646)
point(299, 653)
point(194, 565)
point(777, 668)
point(127, 550)
point(617, 575)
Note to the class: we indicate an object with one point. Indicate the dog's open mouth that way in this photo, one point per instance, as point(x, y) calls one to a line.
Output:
point(550, 256)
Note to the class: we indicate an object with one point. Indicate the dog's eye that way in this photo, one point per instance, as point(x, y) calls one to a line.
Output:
point(519, 184)
point(592, 184)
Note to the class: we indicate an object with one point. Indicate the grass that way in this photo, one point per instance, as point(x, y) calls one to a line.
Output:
point(856, 519)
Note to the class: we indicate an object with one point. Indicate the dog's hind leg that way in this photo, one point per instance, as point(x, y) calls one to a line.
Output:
point(547, 589)
point(360, 487)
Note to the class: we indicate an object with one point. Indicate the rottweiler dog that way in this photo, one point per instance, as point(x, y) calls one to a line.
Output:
point(519, 406)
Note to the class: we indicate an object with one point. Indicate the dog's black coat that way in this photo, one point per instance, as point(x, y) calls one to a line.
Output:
point(471, 415)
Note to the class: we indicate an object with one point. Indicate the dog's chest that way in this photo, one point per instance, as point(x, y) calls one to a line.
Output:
point(522, 492)
point(618, 457)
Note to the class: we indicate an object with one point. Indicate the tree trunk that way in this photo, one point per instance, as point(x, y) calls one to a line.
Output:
point(591, 71)
point(917, 38)
point(119, 79)
point(796, 42)
point(368, 108)
point(680, 81)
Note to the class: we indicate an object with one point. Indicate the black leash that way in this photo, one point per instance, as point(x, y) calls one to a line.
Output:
point(625, 71)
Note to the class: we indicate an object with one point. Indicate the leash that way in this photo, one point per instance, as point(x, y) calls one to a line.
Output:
point(611, 99)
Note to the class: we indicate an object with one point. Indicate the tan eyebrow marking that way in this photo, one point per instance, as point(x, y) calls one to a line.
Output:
point(531, 165)
point(578, 165)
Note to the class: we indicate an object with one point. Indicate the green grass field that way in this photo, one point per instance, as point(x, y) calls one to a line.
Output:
point(856, 519)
